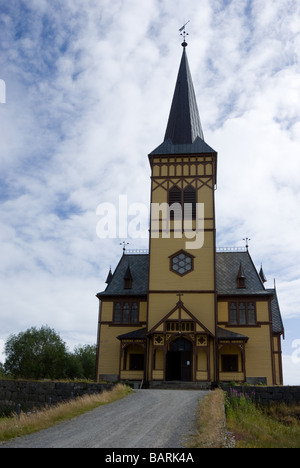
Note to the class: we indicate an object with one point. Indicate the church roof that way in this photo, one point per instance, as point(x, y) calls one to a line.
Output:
point(230, 335)
point(184, 121)
point(197, 147)
point(138, 266)
point(139, 334)
point(276, 314)
point(227, 266)
point(184, 132)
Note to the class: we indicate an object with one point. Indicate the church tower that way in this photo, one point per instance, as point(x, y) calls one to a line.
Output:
point(181, 316)
point(186, 312)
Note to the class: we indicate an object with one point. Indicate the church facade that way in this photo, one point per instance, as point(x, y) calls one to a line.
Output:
point(186, 311)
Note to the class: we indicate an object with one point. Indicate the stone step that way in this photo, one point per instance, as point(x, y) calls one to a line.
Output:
point(180, 385)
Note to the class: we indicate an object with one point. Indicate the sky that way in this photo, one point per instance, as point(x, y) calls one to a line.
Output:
point(85, 94)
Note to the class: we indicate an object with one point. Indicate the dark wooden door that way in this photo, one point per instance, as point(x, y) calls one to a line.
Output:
point(179, 362)
point(186, 366)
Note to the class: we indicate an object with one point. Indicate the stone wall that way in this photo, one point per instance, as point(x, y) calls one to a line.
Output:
point(265, 395)
point(30, 394)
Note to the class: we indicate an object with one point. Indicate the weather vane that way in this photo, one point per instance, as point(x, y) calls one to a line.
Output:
point(183, 33)
point(247, 242)
point(124, 245)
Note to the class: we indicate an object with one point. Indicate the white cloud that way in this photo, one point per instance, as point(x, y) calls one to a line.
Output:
point(88, 96)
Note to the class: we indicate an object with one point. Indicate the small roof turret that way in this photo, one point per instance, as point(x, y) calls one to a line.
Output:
point(262, 275)
point(109, 277)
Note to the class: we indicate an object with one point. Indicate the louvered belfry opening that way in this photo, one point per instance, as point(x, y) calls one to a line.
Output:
point(187, 200)
point(189, 197)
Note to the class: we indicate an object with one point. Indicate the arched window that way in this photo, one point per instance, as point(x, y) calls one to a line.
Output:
point(126, 311)
point(134, 313)
point(186, 199)
point(117, 312)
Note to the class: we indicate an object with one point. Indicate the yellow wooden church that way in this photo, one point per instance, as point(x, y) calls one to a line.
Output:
point(185, 311)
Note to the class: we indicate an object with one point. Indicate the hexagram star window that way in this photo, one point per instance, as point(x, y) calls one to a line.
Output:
point(182, 263)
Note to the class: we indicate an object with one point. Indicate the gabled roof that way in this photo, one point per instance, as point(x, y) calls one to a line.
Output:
point(179, 308)
point(184, 134)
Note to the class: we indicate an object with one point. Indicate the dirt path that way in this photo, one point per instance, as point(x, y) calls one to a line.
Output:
point(143, 419)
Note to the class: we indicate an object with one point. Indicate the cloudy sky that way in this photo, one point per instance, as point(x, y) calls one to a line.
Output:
point(89, 86)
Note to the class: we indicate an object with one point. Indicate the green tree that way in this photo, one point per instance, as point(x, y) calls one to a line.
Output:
point(86, 358)
point(2, 370)
point(73, 369)
point(36, 354)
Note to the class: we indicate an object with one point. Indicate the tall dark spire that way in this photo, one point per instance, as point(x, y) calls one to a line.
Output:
point(184, 124)
point(184, 133)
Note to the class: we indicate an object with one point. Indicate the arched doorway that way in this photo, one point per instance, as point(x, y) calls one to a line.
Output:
point(179, 360)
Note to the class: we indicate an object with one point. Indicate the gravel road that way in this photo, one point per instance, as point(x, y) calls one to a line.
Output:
point(143, 419)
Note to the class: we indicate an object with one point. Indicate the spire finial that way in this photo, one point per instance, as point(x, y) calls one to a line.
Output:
point(124, 246)
point(247, 239)
point(183, 33)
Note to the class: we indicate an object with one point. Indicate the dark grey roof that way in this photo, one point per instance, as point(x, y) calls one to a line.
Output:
point(197, 147)
point(138, 265)
point(262, 275)
point(139, 334)
point(184, 121)
point(230, 335)
point(228, 266)
point(184, 133)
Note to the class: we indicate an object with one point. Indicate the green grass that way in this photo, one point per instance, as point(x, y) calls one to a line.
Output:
point(28, 423)
point(210, 431)
point(253, 426)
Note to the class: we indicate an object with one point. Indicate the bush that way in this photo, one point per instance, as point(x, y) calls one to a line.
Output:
point(35, 354)
point(42, 354)
point(239, 400)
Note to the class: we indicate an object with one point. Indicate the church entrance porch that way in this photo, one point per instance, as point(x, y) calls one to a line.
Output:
point(179, 360)
point(180, 349)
